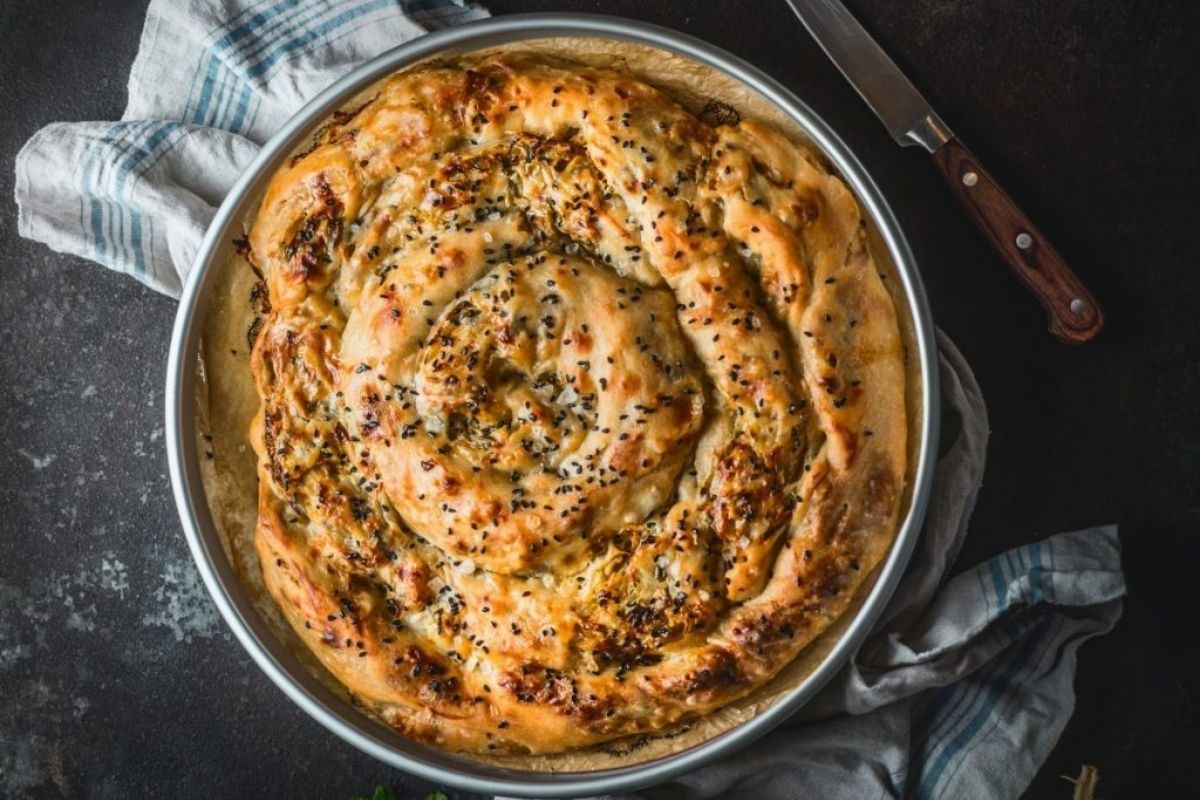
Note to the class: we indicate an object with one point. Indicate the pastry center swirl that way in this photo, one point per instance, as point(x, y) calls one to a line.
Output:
point(563, 394)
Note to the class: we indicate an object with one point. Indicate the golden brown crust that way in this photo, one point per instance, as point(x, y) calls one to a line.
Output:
point(579, 416)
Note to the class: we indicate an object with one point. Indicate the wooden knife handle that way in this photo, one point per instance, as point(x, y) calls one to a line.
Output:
point(1075, 316)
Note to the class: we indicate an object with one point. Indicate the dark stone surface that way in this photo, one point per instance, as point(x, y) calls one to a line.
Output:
point(117, 677)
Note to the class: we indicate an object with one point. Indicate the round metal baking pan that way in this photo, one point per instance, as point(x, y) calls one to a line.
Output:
point(272, 655)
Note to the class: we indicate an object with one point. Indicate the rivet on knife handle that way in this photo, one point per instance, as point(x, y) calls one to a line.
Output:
point(1075, 316)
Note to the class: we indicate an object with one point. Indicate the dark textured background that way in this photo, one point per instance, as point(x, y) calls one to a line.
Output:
point(117, 677)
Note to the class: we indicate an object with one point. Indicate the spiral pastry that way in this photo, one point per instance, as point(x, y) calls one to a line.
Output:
point(580, 416)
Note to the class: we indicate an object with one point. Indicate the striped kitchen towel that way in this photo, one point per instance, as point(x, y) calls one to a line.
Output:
point(965, 684)
point(213, 79)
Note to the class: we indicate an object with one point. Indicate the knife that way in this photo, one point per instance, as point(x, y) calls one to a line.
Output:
point(1074, 314)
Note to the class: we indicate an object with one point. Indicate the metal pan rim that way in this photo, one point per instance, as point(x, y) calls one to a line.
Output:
point(271, 655)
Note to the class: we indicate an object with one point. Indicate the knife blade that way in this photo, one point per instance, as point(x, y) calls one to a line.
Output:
point(1074, 315)
point(904, 112)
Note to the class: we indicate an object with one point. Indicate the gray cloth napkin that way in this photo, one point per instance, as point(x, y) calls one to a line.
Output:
point(965, 684)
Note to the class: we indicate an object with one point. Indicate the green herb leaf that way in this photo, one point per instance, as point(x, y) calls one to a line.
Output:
point(380, 793)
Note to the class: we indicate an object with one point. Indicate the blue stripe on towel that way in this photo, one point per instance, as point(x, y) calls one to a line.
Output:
point(282, 30)
point(261, 22)
point(1036, 575)
point(92, 211)
point(286, 27)
point(149, 149)
point(263, 64)
point(945, 706)
point(106, 180)
point(249, 92)
point(952, 720)
point(990, 685)
point(943, 717)
point(1044, 635)
point(998, 585)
